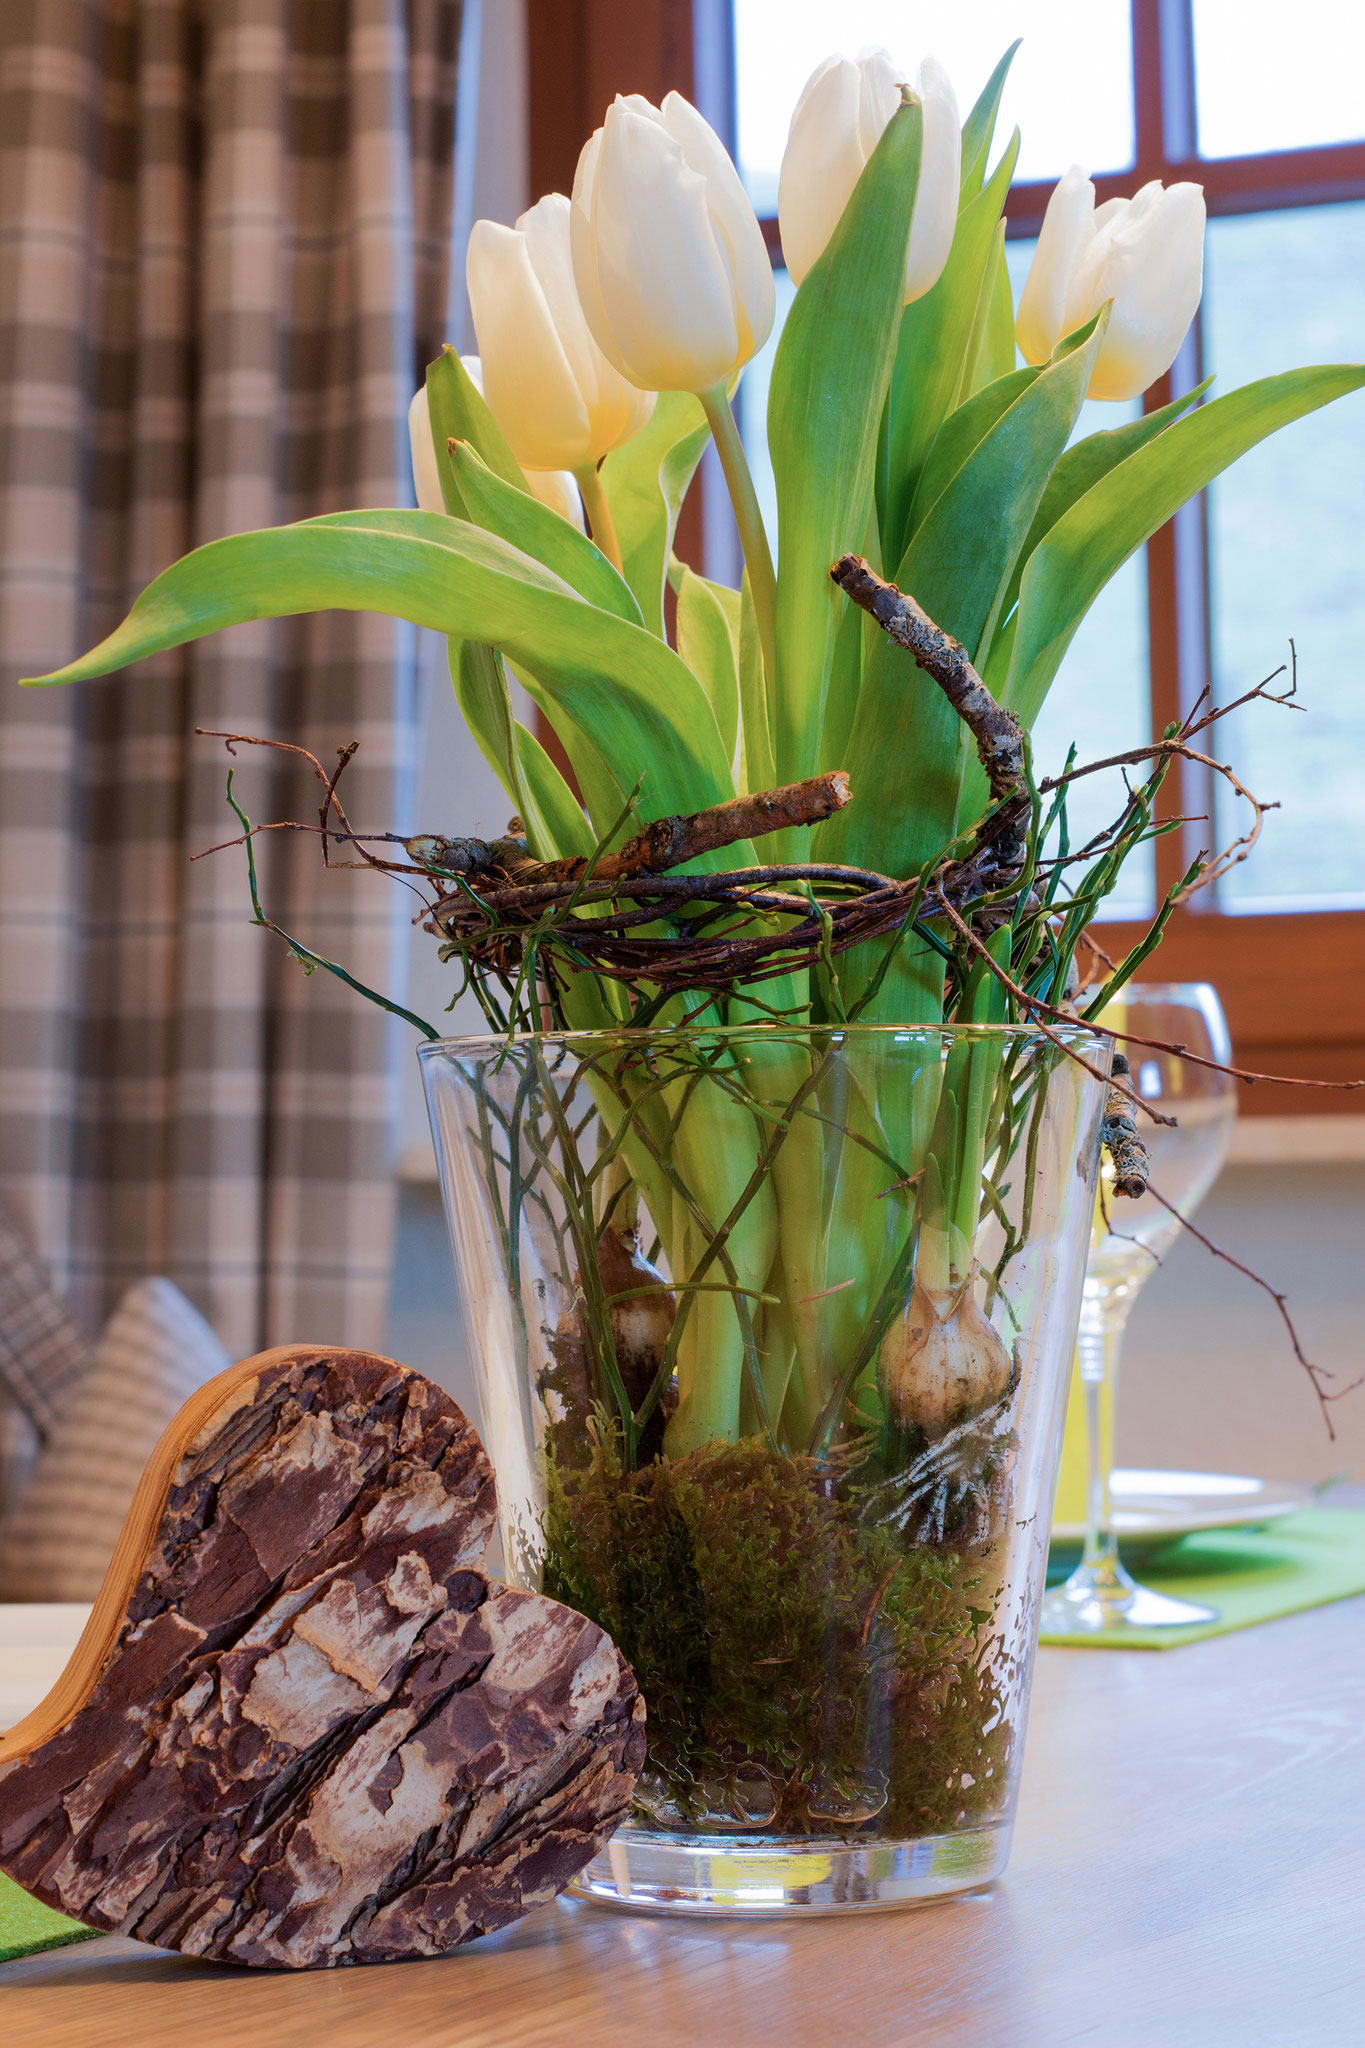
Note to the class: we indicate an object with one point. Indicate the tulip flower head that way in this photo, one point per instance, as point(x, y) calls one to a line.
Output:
point(559, 402)
point(838, 122)
point(1145, 253)
point(554, 487)
point(668, 256)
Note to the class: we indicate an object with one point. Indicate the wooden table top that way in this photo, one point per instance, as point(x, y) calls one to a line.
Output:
point(1188, 1872)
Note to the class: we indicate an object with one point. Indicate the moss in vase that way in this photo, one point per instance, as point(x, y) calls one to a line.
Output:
point(805, 1668)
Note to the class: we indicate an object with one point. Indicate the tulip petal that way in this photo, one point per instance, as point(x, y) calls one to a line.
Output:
point(1067, 231)
point(822, 163)
point(880, 79)
point(425, 474)
point(557, 489)
point(615, 409)
point(733, 221)
point(1155, 276)
point(940, 175)
point(528, 383)
point(663, 284)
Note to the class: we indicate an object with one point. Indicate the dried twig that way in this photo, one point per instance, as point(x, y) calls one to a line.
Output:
point(997, 732)
point(1318, 1375)
point(1119, 1135)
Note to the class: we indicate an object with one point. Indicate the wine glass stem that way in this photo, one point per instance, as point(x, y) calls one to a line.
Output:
point(1099, 1341)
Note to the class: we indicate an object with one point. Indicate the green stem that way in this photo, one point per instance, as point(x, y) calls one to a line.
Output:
point(600, 521)
point(754, 540)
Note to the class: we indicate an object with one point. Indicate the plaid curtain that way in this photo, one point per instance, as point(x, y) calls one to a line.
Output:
point(224, 232)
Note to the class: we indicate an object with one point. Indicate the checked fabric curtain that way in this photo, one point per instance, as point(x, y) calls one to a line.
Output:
point(224, 237)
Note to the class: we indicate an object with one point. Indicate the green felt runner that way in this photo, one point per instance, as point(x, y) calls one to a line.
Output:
point(26, 1927)
point(1249, 1575)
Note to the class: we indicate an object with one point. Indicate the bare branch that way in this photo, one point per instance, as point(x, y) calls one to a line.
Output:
point(1119, 1136)
point(1318, 1375)
point(998, 734)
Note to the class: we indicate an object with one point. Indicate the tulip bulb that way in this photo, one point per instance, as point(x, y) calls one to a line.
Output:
point(641, 1326)
point(838, 122)
point(1144, 253)
point(943, 1361)
point(668, 256)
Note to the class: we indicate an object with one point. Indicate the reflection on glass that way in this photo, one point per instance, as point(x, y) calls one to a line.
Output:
point(1070, 90)
point(1282, 289)
point(1264, 84)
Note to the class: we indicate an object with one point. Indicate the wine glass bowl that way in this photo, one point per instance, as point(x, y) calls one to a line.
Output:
point(1128, 1241)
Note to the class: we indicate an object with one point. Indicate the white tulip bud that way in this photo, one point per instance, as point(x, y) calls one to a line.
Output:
point(1145, 253)
point(838, 122)
point(559, 402)
point(668, 256)
point(554, 487)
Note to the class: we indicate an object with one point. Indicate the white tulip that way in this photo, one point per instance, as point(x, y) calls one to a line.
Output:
point(554, 487)
point(559, 402)
point(668, 256)
point(838, 122)
point(1145, 253)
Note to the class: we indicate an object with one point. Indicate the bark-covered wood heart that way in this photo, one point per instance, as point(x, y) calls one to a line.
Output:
point(303, 1727)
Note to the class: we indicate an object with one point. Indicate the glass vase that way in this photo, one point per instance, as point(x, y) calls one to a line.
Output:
point(772, 1330)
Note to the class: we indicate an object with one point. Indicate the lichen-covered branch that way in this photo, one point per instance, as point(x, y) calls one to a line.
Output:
point(998, 734)
point(1119, 1136)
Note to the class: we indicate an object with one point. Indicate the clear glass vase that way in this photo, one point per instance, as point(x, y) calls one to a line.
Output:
point(772, 1329)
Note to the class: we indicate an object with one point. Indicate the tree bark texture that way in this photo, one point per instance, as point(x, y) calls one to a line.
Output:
point(322, 1735)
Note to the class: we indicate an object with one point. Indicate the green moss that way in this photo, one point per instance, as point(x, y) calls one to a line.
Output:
point(804, 1667)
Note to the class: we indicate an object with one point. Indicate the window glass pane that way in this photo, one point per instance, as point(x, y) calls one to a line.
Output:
point(1070, 90)
point(1278, 79)
point(1100, 696)
point(1285, 527)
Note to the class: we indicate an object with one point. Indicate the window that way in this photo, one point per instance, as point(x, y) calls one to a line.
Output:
point(1273, 126)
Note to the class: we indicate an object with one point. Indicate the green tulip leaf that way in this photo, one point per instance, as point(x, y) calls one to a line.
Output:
point(554, 821)
point(932, 351)
point(1110, 521)
point(539, 531)
point(646, 480)
point(978, 130)
point(829, 384)
point(757, 767)
point(560, 820)
point(1085, 463)
point(637, 703)
point(708, 641)
point(991, 353)
point(962, 431)
point(908, 748)
point(458, 413)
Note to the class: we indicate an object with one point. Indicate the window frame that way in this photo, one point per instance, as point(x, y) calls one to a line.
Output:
point(1292, 982)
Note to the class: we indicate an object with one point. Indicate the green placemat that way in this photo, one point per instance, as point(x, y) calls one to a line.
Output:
point(26, 1926)
point(1249, 1575)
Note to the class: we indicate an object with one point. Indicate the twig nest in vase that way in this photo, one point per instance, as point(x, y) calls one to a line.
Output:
point(943, 1360)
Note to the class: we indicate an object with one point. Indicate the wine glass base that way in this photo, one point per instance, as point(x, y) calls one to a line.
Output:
point(1106, 1599)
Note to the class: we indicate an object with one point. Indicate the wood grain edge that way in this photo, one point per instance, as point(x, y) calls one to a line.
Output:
point(140, 1525)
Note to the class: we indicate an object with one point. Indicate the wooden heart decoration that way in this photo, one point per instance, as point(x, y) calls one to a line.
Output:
point(303, 1727)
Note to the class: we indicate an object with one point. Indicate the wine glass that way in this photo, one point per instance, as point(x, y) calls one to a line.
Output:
point(1126, 1243)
